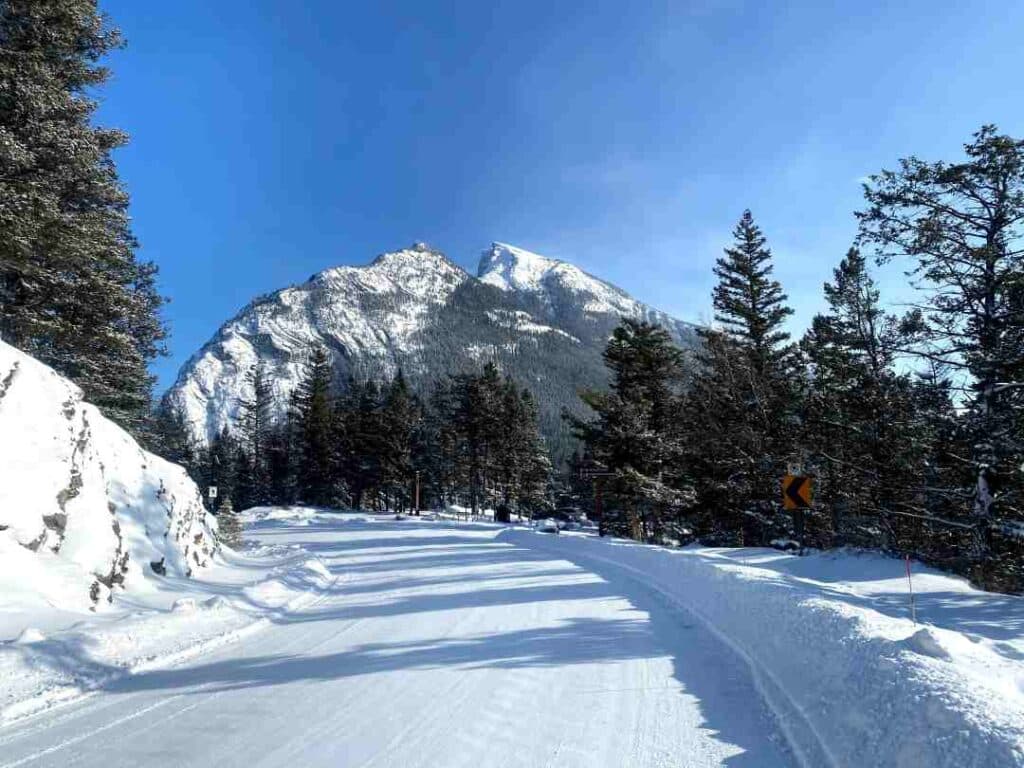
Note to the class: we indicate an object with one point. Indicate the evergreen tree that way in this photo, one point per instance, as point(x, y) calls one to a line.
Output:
point(359, 439)
point(636, 433)
point(961, 225)
point(522, 465)
point(221, 464)
point(440, 445)
point(743, 407)
point(317, 478)
point(749, 304)
point(399, 418)
point(72, 293)
point(244, 490)
point(864, 432)
point(168, 436)
point(282, 461)
point(255, 424)
point(478, 422)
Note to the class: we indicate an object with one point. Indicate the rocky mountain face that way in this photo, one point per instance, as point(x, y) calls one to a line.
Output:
point(542, 321)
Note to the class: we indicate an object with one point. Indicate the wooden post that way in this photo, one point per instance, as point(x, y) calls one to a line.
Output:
point(417, 492)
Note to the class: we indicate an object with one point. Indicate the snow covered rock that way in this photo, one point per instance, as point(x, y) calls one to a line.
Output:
point(543, 321)
point(83, 509)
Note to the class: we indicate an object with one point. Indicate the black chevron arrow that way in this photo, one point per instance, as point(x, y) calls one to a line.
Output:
point(795, 491)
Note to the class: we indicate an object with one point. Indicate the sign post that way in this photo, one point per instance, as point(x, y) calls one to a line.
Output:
point(596, 472)
point(417, 492)
point(211, 493)
point(796, 497)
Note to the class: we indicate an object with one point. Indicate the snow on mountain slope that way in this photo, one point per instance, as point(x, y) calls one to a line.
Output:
point(369, 315)
point(544, 322)
point(516, 269)
point(558, 283)
point(83, 509)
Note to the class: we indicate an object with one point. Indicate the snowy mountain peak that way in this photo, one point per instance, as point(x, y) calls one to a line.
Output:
point(417, 271)
point(515, 269)
point(555, 282)
point(413, 309)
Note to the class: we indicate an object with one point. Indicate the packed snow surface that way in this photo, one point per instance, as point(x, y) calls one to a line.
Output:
point(430, 642)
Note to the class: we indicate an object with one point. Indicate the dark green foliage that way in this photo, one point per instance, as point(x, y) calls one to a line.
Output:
point(961, 227)
point(72, 293)
point(168, 436)
point(220, 465)
point(255, 426)
point(749, 303)
point(743, 405)
point(871, 434)
point(475, 441)
point(924, 460)
point(636, 434)
point(313, 415)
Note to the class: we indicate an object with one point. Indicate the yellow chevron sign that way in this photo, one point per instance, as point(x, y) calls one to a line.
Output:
point(796, 492)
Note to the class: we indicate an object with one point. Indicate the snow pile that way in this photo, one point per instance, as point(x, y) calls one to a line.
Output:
point(852, 680)
point(49, 657)
point(83, 509)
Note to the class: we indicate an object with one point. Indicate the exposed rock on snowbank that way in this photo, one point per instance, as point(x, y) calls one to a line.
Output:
point(83, 509)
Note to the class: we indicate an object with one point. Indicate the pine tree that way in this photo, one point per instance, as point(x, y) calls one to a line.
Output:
point(72, 293)
point(400, 417)
point(255, 426)
point(961, 225)
point(359, 437)
point(521, 464)
point(318, 479)
point(168, 436)
point(743, 407)
point(864, 431)
point(636, 432)
point(221, 464)
point(749, 304)
point(244, 490)
point(282, 461)
point(477, 419)
point(440, 445)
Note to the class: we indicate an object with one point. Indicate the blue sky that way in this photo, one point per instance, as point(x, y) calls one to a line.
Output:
point(272, 139)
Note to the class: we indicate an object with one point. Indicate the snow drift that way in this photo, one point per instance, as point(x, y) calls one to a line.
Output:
point(84, 509)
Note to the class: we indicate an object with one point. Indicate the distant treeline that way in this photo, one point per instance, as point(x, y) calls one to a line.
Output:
point(474, 441)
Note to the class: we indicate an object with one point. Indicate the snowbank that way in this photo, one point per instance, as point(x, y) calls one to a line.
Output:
point(41, 669)
point(829, 640)
point(83, 509)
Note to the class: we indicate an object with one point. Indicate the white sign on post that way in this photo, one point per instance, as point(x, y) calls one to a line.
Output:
point(211, 492)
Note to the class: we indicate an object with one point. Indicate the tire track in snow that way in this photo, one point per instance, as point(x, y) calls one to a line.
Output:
point(809, 752)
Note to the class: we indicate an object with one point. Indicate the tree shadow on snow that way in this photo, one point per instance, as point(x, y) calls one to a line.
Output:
point(644, 627)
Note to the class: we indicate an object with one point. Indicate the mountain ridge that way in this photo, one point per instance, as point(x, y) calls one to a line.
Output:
point(543, 321)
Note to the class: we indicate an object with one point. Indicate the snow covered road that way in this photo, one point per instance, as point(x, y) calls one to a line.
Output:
point(438, 644)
